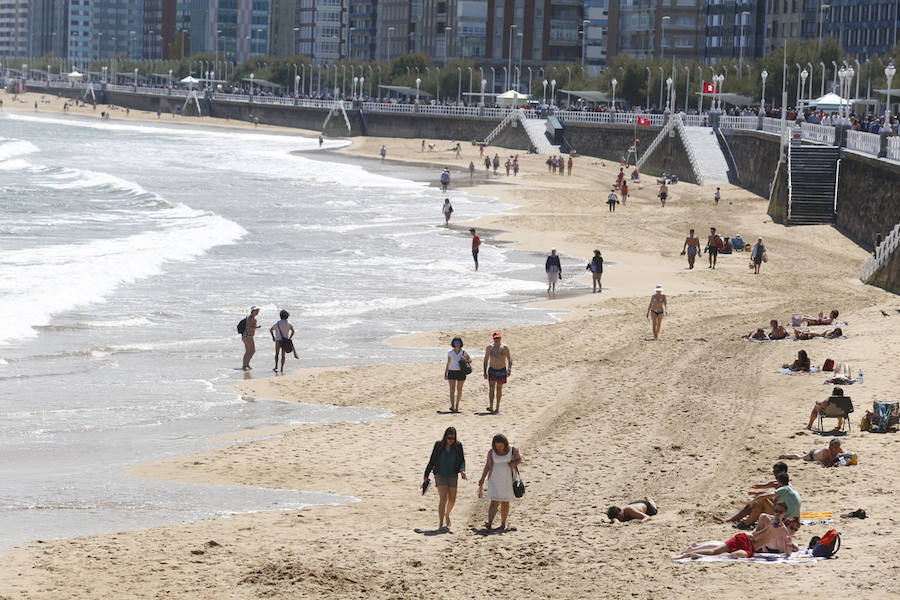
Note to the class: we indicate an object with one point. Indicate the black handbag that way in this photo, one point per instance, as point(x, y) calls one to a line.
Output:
point(518, 484)
point(465, 366)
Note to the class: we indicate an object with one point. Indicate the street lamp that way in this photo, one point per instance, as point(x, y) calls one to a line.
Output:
point(569, 85)
point(764, 75)
point(251, 84)
point(803, 75)
point(687, 88)
point(459, 87)
point(669, 95)
point(812, 72)
point(545, 94)
point(483, 83)
point(390, 38)
point(353, 90)
point(741, 42)
point(350, 42)
point(662, 41)
point(584, 25)
point(721, 80)
point(662, 79)
point(509, 70)
point(418, 83)
point(615, 82)
point(552, 92)
point(447, 31)
point(821, 15)
point(822, 64)
point(798, 83)
point(648, 87)
point(889, 72)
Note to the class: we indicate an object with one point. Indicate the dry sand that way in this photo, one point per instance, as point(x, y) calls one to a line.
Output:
point(601, 413)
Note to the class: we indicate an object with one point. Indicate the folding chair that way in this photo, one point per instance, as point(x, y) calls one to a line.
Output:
point(836, 407)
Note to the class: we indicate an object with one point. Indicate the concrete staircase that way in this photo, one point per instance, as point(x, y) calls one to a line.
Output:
point(710, 160)
point(537, 133)
point(812, 179)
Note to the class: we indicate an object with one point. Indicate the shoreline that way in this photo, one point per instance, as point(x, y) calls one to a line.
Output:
point(600, 413)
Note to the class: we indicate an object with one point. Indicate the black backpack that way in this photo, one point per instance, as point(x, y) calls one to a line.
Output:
point(242, 326)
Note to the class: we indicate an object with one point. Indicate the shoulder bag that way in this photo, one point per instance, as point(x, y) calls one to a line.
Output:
point(518, 484)
point(464, 365)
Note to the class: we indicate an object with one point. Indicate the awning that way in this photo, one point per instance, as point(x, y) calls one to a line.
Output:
point(406, 91)
point(733, 99)
point(262, 83)
point(589, 95)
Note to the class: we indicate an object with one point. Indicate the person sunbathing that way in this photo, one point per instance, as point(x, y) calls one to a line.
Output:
point(759, 334)
point(765, 501)
point(778, 332)
point(826, 456)
point(821, 319)
point(771, 535)
point(639, 510)
point(820, 405)
point(808, 335)
point(801, 364)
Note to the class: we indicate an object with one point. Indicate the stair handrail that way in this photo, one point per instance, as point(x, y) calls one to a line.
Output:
point(790, 189)
point(882, 254)
point(837, 181)
point(656, 142)
point(695, 167)
point(541, 143)
point(512, 115)
point(733, 163)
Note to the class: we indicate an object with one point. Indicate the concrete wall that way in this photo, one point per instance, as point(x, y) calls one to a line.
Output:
point(888, 276)
point(868, 202)
point(609, 142)
point(755, 156)
point(670, 157)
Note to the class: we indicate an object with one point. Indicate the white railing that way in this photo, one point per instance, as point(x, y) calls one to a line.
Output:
point(867, 143)
point(883, 253)
point(656, 142)
point(119, 88)
point(512, 116)
point(893, 148)
point(623, 118)
point(693, 120)
point(32, 83)
point(822, 134)
point(692, 158)
point(729, 122)
point(789, 183)
point(772, 125)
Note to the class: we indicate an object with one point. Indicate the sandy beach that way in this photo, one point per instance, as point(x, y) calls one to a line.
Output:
point(601, 413)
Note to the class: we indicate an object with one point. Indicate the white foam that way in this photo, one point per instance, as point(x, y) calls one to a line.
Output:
point(16, 164)
point(11, 148)
point(71, 179)
point(135, 322)
point(37, 283)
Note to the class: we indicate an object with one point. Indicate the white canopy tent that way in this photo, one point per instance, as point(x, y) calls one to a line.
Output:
point(830, 101)
point(75, 75)
point(511, 98)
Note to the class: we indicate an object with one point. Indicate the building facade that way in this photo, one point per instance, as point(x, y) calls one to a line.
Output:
point(285, 27)
point(395, 27)
point(656, 28)
point(595, 33)
point(788, 20)
point(16, 38)
point(734, 30)
point(862, 27)
point(323, 29)
point(48, 21)
point(363, 29)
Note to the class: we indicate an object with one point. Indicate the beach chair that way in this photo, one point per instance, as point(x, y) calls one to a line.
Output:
point(836, 407)
point(884, 416)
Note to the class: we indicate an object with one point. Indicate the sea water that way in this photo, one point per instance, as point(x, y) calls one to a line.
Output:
point(128, 253)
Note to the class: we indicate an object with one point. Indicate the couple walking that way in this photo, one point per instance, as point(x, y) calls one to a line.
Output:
point(497, 367)
point(282, 333)
point(448, 463)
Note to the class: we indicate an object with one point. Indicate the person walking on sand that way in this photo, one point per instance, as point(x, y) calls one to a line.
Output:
point(453, 371)
point(691, 248)
point(448, 463)
point(247, 337)
point(383, 152)
point(570, 166)
point(596, 269)
point(612, 200)
point(712, 247)
point(471, 171)
point(657, 308)
point(496, 163)
point(321, 141)
point(458, 150)
point(516, 166)
point(423, 145)
point(553, 268)
point(487, 164)
point(624, 192)
point(500, 469)
point(447, 210)
point(718, 196)
point(445, 179)
point(663, 194)
point(758, 255)
point(476, 246)
point(283, 335)
point(497, 368)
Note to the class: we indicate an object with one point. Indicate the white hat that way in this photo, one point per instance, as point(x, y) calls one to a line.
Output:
point(552, 249)
point(254, 307)
point(658, 288)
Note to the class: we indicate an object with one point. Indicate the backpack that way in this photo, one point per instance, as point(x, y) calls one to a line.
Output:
point(242, 326)
point(828, 545)
point(829, 365)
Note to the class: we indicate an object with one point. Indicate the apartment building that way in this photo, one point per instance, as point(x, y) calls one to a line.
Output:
point(656, 28)
point(322, 29)
point(595, 32)
point(395, 26)
point(788, 20)
point(735, 29)
point(862, 27)
point(15, 28)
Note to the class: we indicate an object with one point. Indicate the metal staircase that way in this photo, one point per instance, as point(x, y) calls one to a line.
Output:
point(812, 184)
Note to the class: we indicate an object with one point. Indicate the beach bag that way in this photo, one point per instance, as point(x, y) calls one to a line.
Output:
point(864, 423)
point(287, 344)
point(720, 243)
point(828, 545)
point(518, 485)
point(829, 365)
point(765, 257)
point(465, 367)
point(242, 326)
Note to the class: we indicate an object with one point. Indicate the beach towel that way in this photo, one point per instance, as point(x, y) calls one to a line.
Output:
point(801, 556)
point(822, 518)
point(811, 370)
point(840, 381)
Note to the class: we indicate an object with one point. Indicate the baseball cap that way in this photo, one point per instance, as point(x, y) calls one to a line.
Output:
point(254, 307)
point(496, 335)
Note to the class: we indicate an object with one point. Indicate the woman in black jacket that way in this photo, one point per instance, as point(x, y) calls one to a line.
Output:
point(447, 461)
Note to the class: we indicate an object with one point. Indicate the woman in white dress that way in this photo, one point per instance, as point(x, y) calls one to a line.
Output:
point(499, 470)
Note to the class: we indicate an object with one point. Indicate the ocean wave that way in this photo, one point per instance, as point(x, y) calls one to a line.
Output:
point(39, 282)
point(12, 148)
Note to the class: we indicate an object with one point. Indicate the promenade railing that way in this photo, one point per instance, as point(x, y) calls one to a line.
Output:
point(882, 254)
point(893, 148)
point(729, 122)
point(867, 143)
point(822, 134)
point(692, 158)
point(772, 125)
point(693, 120)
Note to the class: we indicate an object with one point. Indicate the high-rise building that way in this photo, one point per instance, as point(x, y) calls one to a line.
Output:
point(363, 29)
point(395, 28)
point(285, 27)
point(660, 28)
point(862, 27)
point(595, 33)
point(182, 29)
point(323, 29)
point(116, 29)
point(734, 30)
point(15, 28)
point(48, 27)
point(80, 38)
point(788, 20)
point(235, 29)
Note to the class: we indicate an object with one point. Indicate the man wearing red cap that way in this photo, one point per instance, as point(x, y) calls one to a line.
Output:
point(497, 367)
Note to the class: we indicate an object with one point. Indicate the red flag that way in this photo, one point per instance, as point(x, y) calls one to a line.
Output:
point(709, 88)
point(643, 121)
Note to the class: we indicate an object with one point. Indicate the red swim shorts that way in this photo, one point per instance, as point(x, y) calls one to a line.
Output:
point(497, 375)
point(740, 542)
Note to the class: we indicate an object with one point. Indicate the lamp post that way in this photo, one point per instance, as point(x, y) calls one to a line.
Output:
point(218, 33)
point(459, 87)
point(509, 70)
point(418, 83)
point(687, 88)
point(763, 75)
point(662, 80)
point(470, 83)
point(614, 82)
point(858, 73)
point(447, 31)
point(662, 39)
point(569, 85)
point(529, 80)
point(803, 75)
point(798, 83)
point(812, 73)
point(719, 89)
point(669, 94)
point(821, 16)
point(350, 31)
point(389, 41)
point(552, 92)
point(545, 94)
point(649, 72)
point(835, 71)
point(483, 83)
point(251, 84)
point(889, 72)
point(584, 25)
point(519, 70)
point(302, 79)
point(493, 80)
point(822, 92)
point(850, 74)
point(353, 89)
point(741, 43)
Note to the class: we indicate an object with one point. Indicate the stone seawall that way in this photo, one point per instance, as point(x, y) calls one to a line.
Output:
point(868, 202)
point(755, 156)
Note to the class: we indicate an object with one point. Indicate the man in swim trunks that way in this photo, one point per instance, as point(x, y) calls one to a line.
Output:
point(691, 248)
point(639, 510)
point(712, 247)
point(476, 244)
point(497, 367)
point(827, 456)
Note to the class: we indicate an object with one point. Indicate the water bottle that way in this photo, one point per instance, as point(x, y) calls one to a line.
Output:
point(860, 379)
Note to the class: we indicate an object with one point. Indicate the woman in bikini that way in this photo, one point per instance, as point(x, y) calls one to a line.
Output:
point(658, 308)
point(639, 510)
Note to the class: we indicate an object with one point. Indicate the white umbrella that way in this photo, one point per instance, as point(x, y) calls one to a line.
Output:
point(75, 75)
point(190, 79)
